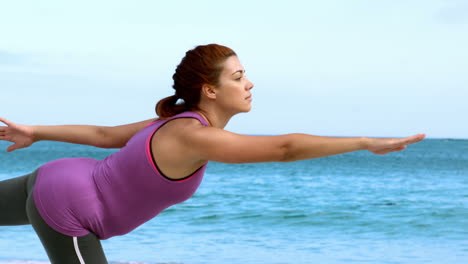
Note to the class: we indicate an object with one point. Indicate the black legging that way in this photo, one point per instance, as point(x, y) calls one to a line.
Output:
point(17, 208)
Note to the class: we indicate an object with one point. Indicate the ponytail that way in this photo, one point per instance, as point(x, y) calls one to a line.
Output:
point(168, 107)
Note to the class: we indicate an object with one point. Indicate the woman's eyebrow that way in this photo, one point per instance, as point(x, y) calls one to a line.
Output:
point(241, 71)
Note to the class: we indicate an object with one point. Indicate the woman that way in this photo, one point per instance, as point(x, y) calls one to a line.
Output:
point(74, 203)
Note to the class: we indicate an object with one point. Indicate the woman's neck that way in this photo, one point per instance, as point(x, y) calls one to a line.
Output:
point(214, 118)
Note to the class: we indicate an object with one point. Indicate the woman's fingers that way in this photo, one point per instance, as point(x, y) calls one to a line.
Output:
point(387, 145)
point(13, 147)
point(386, 151)
point(414, 139)
point(4, 136)
point(402, 143)
point(5, 121)
point(4, 129)
point(5, 132)
point(398, 149)
point(407, 141)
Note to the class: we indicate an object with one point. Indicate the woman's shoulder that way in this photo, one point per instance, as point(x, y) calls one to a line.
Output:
point(184, 121)
point(190, 116)
point(181, 125)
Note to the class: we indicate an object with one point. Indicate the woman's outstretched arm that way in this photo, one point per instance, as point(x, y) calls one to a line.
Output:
point(223, 146)
point(98, 136)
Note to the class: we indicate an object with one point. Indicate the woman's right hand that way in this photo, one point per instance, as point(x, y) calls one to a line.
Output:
point(381, 146)
point(21, 135)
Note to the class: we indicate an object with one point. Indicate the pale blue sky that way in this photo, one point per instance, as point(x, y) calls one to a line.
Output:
point(336, 67)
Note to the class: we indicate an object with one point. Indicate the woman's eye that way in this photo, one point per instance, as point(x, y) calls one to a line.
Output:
point(238, 79)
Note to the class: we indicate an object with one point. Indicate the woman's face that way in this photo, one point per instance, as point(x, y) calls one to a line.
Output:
point(233, 90)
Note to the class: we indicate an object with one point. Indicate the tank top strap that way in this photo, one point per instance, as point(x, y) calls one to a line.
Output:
point(189, 114)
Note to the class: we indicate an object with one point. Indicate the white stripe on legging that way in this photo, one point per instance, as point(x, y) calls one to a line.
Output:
point(77, 250)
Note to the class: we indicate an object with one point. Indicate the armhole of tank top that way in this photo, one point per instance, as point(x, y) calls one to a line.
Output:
point(152, 123)
point(154, 161)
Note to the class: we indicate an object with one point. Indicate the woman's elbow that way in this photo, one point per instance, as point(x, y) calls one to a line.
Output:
point(105, 140)
point(287, 153)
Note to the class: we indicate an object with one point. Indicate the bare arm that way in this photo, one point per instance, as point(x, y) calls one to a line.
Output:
point(99, 136)
point(223, 146)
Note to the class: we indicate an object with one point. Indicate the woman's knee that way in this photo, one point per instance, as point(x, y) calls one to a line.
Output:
point(13, 195)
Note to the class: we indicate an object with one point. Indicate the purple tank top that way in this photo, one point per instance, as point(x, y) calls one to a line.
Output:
point(113, 196)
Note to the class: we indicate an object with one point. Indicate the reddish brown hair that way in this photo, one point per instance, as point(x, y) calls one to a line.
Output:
point(201, 65)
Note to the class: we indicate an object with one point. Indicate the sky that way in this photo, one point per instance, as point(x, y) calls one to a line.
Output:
point(330, 68)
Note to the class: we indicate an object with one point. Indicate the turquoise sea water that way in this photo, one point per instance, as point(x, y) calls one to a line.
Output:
point(405, 207)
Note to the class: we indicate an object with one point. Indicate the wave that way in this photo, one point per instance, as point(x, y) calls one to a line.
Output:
point(112, 262)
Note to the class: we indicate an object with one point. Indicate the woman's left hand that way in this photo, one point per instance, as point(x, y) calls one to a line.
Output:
point(21, 135)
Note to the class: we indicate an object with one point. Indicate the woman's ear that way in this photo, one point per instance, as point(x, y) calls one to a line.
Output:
point(209, 91)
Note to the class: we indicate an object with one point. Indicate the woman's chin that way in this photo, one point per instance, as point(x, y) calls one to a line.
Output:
point(248, 109)
point(244, 109)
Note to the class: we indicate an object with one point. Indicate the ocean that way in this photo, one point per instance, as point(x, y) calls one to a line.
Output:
point(404, 207)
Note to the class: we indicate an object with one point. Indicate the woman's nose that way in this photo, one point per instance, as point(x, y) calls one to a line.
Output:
point(250, 85)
